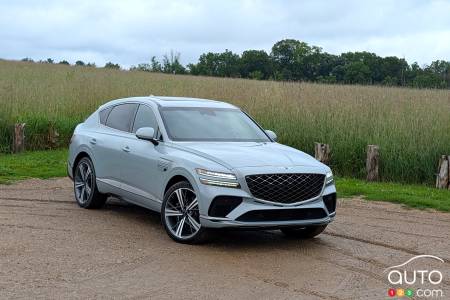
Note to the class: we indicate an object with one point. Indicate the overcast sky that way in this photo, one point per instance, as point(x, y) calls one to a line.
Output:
point(130, 32)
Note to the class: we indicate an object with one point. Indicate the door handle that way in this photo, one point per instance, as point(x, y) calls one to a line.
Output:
point(126, 149)
point(93, 141)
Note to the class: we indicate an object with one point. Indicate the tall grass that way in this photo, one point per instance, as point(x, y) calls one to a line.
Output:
point(411, 126)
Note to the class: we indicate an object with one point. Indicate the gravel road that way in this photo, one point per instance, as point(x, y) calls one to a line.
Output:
point(52, 249)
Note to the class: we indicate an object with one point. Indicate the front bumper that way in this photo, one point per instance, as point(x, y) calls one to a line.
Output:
point(250, 204)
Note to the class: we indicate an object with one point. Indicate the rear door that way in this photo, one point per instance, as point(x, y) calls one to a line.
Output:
point(110, 141)
point(139, 172)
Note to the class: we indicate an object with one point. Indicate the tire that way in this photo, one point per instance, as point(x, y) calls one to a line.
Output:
point(308, 232)
point(181, 219)
point(85, 185)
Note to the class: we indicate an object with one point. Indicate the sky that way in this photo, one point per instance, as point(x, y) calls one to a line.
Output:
point(131, 32)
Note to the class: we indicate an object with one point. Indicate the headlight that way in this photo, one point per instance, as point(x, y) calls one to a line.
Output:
point(217, 178)
point(329, 178)
point(217, 175)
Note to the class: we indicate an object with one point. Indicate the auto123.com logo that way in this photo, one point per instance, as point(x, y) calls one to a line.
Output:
point(410, 281)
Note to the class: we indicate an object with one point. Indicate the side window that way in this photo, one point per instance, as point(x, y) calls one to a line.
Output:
point(145, 118)
point(103, 114)
point(121, 116)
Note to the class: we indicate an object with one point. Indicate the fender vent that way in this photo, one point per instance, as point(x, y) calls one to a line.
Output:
point(164, 164)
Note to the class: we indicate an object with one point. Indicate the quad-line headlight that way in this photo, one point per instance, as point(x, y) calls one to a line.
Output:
point(217, 178)
point(329, 178)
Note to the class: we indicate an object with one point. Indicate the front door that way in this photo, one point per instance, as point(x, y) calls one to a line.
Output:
point(140, 174)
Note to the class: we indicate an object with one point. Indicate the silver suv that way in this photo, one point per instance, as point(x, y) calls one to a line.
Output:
point(202, 164)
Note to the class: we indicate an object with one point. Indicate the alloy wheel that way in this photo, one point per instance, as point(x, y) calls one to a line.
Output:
point(182, 214)
point(84, 182)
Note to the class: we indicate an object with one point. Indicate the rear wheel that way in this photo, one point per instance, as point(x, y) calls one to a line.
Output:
point(180, 214)
point(307, 232)
point(85, 186)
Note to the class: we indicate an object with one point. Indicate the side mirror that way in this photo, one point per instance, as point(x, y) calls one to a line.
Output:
point(147, 133)
point(272, 135)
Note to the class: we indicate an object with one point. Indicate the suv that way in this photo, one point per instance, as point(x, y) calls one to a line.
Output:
point(202, 164)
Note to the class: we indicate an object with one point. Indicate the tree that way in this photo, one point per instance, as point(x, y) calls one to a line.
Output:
point(207, 65)
point(225, 64)
point(79, 63)
point(289, 58)
point(110, 65)
point(64, 62)
point(171, 64)
point(428, 80)
point(49, 61)
point(357, 72)
point(155, 65)
point(144, 67)
point(255, 64)
point(440, 68)
point(394, 68)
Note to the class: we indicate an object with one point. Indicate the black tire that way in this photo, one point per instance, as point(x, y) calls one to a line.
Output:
point(308, 232)
point(93, 199)
point(198, 237)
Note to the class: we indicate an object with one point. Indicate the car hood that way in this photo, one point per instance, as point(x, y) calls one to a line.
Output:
point(239, 155)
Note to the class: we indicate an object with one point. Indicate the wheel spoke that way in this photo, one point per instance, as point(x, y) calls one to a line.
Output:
point(82, 173)
point(78, 184)
point(88, 190)
point(179, 231)
point(173, 213)
point(180, 198)
point(193, 222)
point(83, 189)
point(88, 173)
point(193, 204)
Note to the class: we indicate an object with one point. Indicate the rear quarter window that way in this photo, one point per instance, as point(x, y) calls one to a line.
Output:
point(103, 115)
point(121, 116)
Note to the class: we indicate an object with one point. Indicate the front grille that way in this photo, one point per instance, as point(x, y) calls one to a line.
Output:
point(285, 188)
point(274, 215)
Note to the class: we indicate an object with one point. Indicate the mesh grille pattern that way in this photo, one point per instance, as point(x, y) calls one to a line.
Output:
point(285, 188)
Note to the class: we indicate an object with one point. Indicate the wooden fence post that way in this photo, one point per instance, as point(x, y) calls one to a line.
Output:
point(442, 177)
point(52, 137)
point(322, 153)
point(372, 162)
point(18, 138)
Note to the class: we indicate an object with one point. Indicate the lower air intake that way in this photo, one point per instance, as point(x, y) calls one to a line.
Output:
point(269, 215)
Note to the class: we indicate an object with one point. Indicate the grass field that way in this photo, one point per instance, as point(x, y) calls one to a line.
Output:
point(411, 126)
point(52, 163)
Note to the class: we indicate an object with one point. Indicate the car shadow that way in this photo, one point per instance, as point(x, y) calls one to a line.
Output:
point(227, 239)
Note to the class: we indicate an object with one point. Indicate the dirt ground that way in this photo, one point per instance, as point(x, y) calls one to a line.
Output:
point(52, 249)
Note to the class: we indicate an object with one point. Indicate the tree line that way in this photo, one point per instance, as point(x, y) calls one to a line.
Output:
point(293, 60)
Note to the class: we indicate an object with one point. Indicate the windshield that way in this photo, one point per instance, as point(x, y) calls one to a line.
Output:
point(210, 124)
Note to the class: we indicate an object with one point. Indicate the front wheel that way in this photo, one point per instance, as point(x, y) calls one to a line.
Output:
point(180, 214)
point(307, 232)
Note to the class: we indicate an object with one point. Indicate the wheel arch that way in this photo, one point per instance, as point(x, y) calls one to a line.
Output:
point(176, 175)
point(175, 179)
point(79, 156)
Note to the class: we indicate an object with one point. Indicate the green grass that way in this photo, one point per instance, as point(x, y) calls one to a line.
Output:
point(37, 164)
point(52, 163)
point(417, 196)
point(411, 126)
